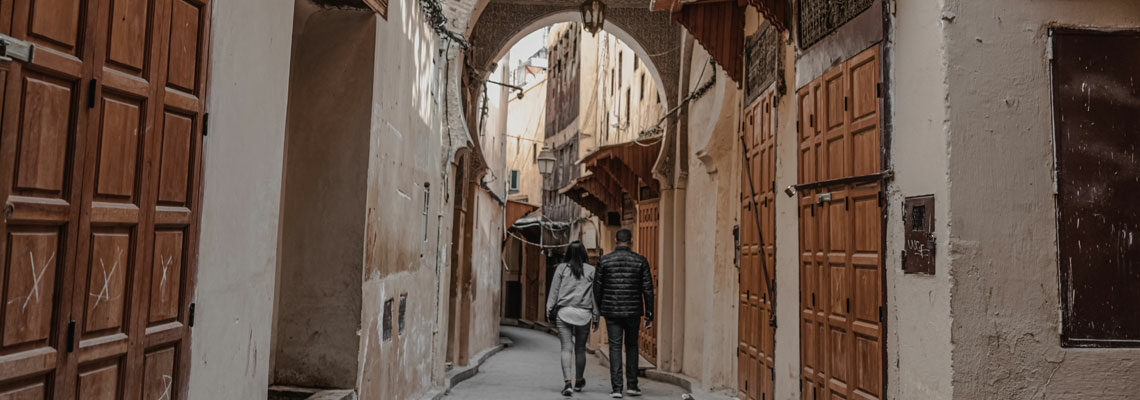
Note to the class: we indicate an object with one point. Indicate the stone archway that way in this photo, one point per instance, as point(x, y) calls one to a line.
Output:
point(495, 25)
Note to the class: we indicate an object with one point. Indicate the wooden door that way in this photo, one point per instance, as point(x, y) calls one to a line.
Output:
point(756, 342)
point(531, 283)
point(648, 221)
point(841, 279)
point(102, 138)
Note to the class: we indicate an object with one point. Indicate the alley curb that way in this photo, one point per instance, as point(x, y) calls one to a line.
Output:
point(460, 374)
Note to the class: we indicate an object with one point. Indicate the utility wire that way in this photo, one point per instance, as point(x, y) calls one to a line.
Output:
point(438, 21)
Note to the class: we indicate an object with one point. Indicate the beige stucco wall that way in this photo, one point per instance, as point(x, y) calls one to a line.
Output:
point(918, 306)
point(712, 204)
point(237, 252)
point(322, 231)
point(405, 153)
point(526, 119)
point(1003, 243)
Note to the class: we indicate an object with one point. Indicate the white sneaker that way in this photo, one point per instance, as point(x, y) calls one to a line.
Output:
point(633, 392)
point(616, 395)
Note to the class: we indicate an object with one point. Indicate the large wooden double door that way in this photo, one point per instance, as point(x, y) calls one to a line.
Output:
point(99, 176)
point(756, 343)
point(841, 281)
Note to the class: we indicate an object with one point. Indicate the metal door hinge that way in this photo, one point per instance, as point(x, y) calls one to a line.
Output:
point(882, 316)
point(92, 85)
point(16, 49)
point(844, 103)
point(190, 315)
point(205, 124)
point(879, 90)
point(70, 336)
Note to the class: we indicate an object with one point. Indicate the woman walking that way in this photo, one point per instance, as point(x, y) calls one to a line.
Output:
point(571, 305)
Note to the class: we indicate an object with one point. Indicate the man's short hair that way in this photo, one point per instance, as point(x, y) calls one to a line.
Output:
point(624, 236)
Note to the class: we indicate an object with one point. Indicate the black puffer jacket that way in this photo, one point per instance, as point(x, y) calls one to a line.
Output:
point(623, 285)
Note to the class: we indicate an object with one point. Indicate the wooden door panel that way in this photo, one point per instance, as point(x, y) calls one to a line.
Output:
point(757, 232)
point(100, 381)
point(127, 46)
point(841, 235)
point(648, 221)
point(158, 369)
point(175, 167)
point(82, 181)
point(44, 136)
point(40, 154)
point(30, 282)
point(56, 24)
point(186, 25)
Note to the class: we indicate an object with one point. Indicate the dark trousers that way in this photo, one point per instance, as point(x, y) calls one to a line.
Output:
point(620, 329)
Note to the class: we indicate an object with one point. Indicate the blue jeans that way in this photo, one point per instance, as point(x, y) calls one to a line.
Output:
point(573, 338)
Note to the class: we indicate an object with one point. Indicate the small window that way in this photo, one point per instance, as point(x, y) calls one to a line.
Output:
point(513, 182)
point(534, 152)
point(627, 106)
point(641, 91)
point(635, 60)
point(1098, 223)
point(620, 64)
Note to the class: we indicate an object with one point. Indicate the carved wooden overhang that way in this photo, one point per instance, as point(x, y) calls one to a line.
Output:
point(591, 194)
point(628, 166)
point(719, 25)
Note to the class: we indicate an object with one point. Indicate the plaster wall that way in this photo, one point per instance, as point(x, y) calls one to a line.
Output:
point(712, 206)
point(322, 224)
point(524, 139)
point(918, 306)
point(487, 268)
point(612, 63)
point(238, 247)
point(1003, 243)
point(406, 254)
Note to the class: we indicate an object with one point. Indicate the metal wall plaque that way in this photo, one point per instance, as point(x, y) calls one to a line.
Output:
point(818, 18)
point(760, 52)
point(918, 223)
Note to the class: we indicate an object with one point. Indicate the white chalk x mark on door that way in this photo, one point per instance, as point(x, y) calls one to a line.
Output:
point(36, 278)
point(105, 292)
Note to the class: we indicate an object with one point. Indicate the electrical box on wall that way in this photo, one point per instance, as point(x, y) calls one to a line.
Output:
point(918, 223)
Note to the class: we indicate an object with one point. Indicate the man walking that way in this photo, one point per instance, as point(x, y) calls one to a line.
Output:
point(624, 291)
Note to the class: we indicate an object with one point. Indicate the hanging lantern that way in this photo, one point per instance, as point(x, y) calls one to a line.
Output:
point(593, 15)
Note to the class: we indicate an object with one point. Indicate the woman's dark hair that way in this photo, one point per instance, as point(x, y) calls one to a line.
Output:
point(576, 256)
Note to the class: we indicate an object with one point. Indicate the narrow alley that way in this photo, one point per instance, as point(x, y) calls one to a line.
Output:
point(523, 370)
point(758, 199)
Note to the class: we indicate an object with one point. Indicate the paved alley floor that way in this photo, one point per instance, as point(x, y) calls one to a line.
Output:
point(530, 370)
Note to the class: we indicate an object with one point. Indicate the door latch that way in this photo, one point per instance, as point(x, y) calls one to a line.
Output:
point(15, 49)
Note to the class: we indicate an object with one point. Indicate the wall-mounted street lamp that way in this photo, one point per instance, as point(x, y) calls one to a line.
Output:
point(512, 87)
point(593, 15)
point(546, 161)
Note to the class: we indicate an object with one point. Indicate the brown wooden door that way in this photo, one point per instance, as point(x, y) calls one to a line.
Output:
point(531, 283)
point(841, 277)
point(102, 138)
point(648, 221)
point(756, 342)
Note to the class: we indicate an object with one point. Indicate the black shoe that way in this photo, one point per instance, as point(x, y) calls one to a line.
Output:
point(581, 383)
point(567, 390)
point(616, 394)
point(633, 392)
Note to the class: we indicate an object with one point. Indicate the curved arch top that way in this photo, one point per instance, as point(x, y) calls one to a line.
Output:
point(655, 40)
